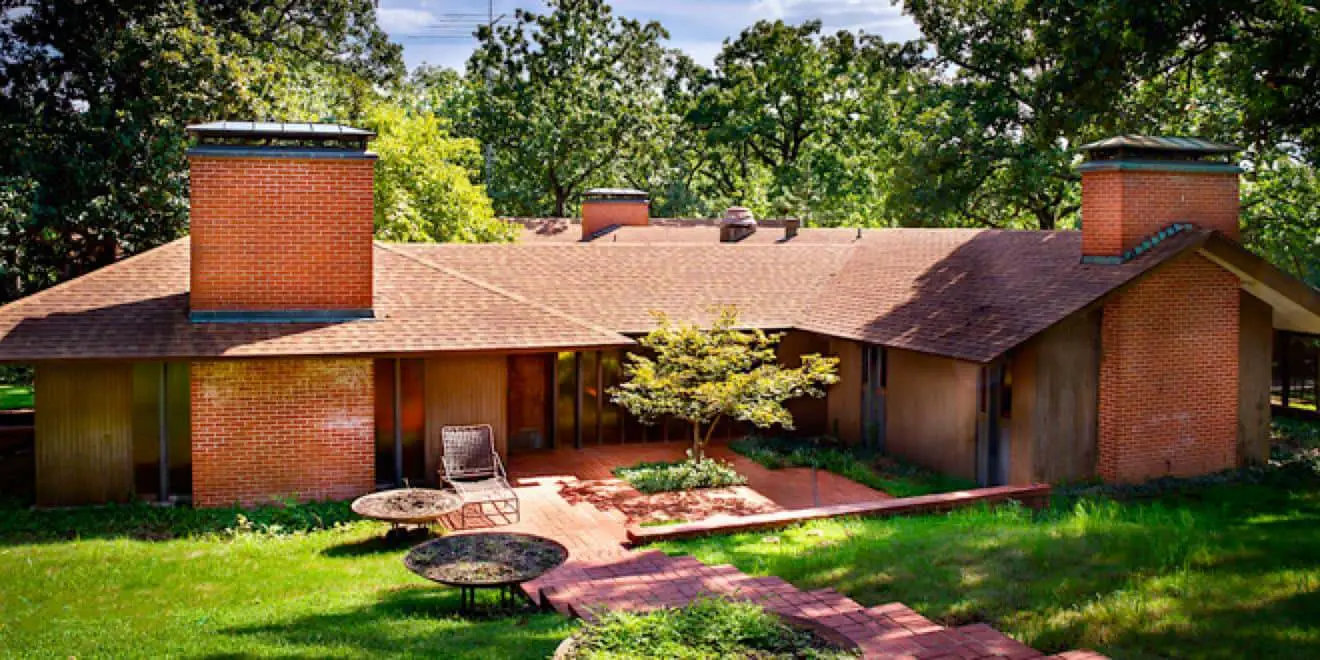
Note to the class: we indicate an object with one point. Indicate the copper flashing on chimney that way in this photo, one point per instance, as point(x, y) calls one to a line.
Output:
point(1136, 189)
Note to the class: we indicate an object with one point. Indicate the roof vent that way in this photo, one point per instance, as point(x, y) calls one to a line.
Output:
point(736, 224)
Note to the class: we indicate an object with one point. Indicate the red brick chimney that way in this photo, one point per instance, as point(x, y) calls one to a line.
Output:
point(1134, 187)
point(1168, 401)
point(281, 222)
point(603, 208)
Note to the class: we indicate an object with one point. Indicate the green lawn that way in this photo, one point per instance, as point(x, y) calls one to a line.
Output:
point(322, 593)
point(13, 397)
point(1226, 571)
point(1212, 571)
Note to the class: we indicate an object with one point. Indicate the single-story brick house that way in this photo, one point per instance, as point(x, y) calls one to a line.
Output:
point(279, 352)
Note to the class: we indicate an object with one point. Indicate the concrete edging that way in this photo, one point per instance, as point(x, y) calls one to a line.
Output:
point(1034, 496)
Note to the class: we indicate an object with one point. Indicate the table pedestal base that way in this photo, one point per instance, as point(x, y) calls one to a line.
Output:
point(510, 596)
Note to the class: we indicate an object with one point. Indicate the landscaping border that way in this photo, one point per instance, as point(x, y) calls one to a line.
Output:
point(1035, 496)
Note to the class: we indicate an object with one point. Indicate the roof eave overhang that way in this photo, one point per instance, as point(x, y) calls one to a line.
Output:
point(1296, 304)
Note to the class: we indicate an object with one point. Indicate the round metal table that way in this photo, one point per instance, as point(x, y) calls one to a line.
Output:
point(407, 506)
point(486, 560)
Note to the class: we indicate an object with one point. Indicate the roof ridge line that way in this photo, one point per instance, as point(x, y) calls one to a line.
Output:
point(59, 286)
point(497, 290)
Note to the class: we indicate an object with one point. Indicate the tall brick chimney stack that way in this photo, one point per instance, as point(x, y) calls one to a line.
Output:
point(281, 222)
point(1135, 187)
point(1168, 402)
point(603, 208)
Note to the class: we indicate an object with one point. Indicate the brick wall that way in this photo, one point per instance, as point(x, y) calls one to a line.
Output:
point(273, 428)
point(281, 233)
point(1169, 374)
point(597, 215)
point(1121, 208)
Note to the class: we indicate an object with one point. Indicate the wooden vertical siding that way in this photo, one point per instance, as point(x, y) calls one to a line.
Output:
point(1255, 358)
point(529, 401)
point(810, 416)
point(845, 397)
point(84, 433)
point(1056, 379)
point(931, 407)
point(465, 390)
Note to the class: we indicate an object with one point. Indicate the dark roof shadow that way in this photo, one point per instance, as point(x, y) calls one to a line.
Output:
point(986, 295)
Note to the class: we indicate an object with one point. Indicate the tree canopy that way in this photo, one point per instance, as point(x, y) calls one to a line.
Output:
point(974, 124)
point(96, 95)
point(702, 375)
point(561, 95)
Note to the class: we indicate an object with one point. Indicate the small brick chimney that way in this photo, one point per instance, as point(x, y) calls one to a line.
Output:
point(281, 222)
point(603, 208)
point(1134, 187)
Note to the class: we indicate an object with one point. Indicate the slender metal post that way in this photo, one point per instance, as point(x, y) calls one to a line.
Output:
point(398, 422)
point(1285, 373)
point(164, 435)
point(577, 401)
point(600, 398)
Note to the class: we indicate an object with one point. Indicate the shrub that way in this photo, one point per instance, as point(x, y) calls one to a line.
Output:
point(147, 522)
point(661, 477)
point(705, 629)
point(859, 464)
point(1298, 433)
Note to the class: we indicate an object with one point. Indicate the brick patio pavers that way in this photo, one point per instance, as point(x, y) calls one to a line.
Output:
point(603, 574)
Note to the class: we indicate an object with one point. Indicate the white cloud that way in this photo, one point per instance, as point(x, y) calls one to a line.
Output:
point(696, 26)
point(399, 21)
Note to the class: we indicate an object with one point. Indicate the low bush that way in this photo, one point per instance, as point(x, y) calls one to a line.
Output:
point(1299, 433)
point(660, 477)
point(147, 522)
point(865, 466)
point(705, 629)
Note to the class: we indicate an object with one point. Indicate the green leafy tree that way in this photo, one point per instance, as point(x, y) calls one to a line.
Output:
point(799, 116)
point(561, 95)
point(702, 375)
point(96, 95)
point(1027, 82)
point(424, 182)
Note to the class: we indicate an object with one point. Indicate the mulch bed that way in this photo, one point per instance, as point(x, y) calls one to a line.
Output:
point(485, 559)
point(669, 507)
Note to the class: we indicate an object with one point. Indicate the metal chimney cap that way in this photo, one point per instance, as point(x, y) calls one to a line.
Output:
point(738, 216)
point(622, 194)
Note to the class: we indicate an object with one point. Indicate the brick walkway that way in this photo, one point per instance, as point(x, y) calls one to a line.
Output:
point(604, 574)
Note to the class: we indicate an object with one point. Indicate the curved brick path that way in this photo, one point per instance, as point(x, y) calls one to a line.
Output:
point(603, 573)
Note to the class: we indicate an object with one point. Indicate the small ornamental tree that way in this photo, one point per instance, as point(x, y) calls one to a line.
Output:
point(703, 375)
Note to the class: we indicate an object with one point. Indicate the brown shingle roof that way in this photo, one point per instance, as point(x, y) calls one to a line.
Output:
point(138, 308)
point(619, 285)
point(966, 293)
point(969, 294)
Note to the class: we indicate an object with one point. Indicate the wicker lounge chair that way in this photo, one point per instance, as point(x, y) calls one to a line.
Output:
point(474, 470)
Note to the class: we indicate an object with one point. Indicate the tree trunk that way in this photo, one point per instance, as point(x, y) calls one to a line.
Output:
point(698, 444)
point(1045, 218)
point(561, 199)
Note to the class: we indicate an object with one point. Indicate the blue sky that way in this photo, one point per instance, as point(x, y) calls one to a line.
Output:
point(695, 26)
